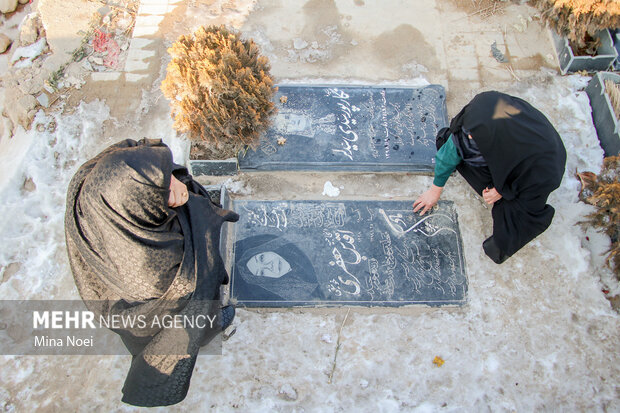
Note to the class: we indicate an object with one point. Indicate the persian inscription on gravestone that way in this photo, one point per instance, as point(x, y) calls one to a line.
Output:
point(359, 128)
point(302, 253)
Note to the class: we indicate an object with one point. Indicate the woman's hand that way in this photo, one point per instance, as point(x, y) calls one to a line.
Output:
point(178, 193)
point(428, 199)
point(491, 196)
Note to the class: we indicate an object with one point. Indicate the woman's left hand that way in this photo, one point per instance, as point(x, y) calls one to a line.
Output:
point(491, 196)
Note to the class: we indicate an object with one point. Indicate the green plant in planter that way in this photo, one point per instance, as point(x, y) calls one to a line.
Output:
point(219, 88)
point(579, 20)
point(603, 191)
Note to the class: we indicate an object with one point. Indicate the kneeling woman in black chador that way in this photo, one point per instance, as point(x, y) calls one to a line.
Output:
point(511, 155)
point(143, 238)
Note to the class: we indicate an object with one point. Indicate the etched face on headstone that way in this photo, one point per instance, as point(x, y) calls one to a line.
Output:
point(268, 264)
point(294, 123)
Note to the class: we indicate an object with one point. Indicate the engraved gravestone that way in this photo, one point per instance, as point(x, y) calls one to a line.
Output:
point(306, 253)
point(351, 128)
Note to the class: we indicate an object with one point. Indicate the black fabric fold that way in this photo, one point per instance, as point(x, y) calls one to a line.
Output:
point(131, 254)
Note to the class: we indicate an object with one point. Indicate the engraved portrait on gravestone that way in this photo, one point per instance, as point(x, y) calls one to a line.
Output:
point(272, 268)
point(295, 122)
point(268, 264)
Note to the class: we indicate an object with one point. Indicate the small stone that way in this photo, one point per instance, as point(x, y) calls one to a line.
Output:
point(74, 81)
point(8, 6)
point(43, 100)
point(30, 85)
point(499, 56)
point(29, 185)
point(31, 114)
point(124, 46)
point(300, 43)
point(283, 99)
point(5, 42)
point(48, 87)
point(10, 270)
point(86, 65)
point(123, 23)
point(288, 393)
point(315, 45)
point(22, 110)
point(29, 30)
point(103, 10)
point(281, 141)
point(27, 102)
point(96, 60)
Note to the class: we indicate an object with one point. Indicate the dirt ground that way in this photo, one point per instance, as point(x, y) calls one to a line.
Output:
point(448, 42)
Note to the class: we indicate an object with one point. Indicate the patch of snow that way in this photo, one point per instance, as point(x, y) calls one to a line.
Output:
point(237, 186)
point(32, 231)
point(299, 43)
point(287, 392)
point(23, 56)
point(12, 152)
point(330, 190)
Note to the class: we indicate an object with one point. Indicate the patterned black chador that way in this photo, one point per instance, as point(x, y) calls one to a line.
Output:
point(134, 252)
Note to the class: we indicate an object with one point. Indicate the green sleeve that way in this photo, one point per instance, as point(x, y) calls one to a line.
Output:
point(446, 161)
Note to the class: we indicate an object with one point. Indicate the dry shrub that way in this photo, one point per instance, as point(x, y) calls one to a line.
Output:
point(613, 91)
point(603, 191)
point(219, 87)
point(576, 19)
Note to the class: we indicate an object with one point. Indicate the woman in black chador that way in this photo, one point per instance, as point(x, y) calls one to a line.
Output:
point(142, 238)
point(511, 155)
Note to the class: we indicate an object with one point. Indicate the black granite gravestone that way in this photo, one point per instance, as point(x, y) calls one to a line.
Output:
point(351, 128)
point(372, 253)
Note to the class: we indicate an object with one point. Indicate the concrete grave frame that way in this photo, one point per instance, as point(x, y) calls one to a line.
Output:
point(569, 63)
point(605, 120)
point(615, 35)
point(223, 167)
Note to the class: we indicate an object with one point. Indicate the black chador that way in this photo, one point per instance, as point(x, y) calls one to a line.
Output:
point(133, 256)
point(525, 160)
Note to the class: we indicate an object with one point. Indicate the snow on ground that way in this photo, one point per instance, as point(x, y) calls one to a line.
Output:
point(536, 334)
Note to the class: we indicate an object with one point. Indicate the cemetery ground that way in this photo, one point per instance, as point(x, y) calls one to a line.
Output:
point(535, 334)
